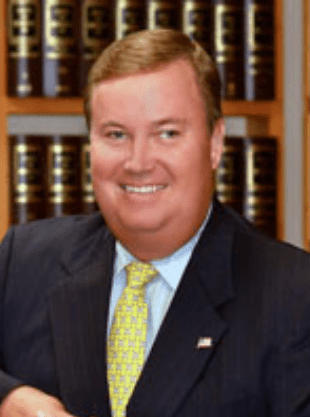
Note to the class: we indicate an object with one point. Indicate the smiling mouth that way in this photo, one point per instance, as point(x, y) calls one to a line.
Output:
point(145, 189)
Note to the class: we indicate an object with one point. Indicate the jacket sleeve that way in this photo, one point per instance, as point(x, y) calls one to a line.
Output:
point(289, 378)
point(7, 382)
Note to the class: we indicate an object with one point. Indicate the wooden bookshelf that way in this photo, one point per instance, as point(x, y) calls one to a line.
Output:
point(43, 105)
point(4, 166)
point(265, 117)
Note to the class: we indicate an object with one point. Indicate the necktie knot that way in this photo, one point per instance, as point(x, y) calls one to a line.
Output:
point(139, 274)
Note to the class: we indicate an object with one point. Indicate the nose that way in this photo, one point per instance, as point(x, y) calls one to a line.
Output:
point(140, 159)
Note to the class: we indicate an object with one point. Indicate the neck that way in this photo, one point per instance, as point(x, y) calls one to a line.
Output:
point(147, 251)
point(152, 246)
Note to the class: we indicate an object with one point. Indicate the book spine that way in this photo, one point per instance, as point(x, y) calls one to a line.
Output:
point(97, 31)
point(24, 48)
point(260, 198)
point(198, 22)
point(130, 17)
point(230, 178)
point(60, 48)
point(229, 46)
point(88, 201)
point(259, 50)
point(163, 14)
point(63, 175)
point(27, 178)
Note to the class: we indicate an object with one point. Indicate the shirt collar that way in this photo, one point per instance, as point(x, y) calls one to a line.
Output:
point(171, 268)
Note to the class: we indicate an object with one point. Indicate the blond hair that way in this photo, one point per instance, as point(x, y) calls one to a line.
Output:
point(148, 51)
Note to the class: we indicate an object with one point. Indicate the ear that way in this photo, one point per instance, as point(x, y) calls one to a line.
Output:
point(217, 143)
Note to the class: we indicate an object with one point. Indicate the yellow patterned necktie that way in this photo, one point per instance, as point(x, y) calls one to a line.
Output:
point(126, 345)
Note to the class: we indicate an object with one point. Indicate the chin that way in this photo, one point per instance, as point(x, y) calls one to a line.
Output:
point(141, 226)
point(148, 219)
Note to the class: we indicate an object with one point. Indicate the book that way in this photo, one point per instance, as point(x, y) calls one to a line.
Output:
point(24, 48)
point(229, 46)
point(163, 14)
point(27, 162)
point(97, 31)
point(230, 175)
point(259, 50)
point(60, 47)
point(260, 196)
point(198, 22)
point(88, 200)
point(63, 175)
point(130, 17)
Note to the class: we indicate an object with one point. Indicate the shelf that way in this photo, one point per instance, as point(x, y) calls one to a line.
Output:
point(251, 108)
point(45, 105)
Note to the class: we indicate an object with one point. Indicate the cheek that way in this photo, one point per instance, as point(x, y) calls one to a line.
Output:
point(196, 163)
point(97, 163)
point(103, 162)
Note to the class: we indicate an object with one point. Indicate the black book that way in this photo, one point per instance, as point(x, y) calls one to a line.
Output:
point(229, 46)
point(27, 164)
point(24, 48)
point(259, 50)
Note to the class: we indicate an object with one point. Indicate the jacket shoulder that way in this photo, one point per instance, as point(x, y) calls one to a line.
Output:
point(263, 263)
point(57, 230)
point(55, 237)
point(249, 235)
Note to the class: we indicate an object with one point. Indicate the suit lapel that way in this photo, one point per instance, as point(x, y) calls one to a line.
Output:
point(175, 362)
point(78, 311)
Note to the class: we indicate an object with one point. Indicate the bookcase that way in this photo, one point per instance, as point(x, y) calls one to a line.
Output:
point(264, 118)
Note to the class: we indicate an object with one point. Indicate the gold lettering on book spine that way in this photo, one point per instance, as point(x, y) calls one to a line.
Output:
point(59, 29)
point(160, 14)
point(86, 183)
point(193, 16)
point(225, 25)
point(62, 173)
point(197, 22)
point(95, 27)
point(228, 184)
point(259, 22)
point(24, 28)
point(253, 152)
point(189, 7)
point(27, 173)
point(129, 15)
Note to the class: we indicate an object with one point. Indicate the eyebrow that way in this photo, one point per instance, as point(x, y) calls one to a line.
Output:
point(157, 123)
point(173, 120)
point(111, 124)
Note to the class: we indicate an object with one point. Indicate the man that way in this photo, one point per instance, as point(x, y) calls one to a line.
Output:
point(228, 315)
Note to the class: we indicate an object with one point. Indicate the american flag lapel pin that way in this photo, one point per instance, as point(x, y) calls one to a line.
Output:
point(204, 343)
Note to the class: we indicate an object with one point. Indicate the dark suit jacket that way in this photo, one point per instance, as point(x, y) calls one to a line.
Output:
point(248, 293)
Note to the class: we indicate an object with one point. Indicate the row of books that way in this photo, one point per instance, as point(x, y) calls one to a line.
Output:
point(48, 40)
point(246, 180)
point(51, 177)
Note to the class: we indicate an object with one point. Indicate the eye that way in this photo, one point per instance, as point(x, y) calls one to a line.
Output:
point(116, 135)
point(169, 133)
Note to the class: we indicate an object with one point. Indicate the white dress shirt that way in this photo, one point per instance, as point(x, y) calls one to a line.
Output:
point(160, 291)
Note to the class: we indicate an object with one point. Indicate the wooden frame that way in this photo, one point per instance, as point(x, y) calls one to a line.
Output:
point(4, 166)
point(307, 124)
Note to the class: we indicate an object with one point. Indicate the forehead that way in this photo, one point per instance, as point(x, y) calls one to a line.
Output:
point(173, 87)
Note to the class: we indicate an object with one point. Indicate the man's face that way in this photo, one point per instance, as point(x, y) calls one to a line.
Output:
point(152, 157)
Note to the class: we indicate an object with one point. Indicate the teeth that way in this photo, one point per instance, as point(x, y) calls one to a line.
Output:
point(144, 189)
